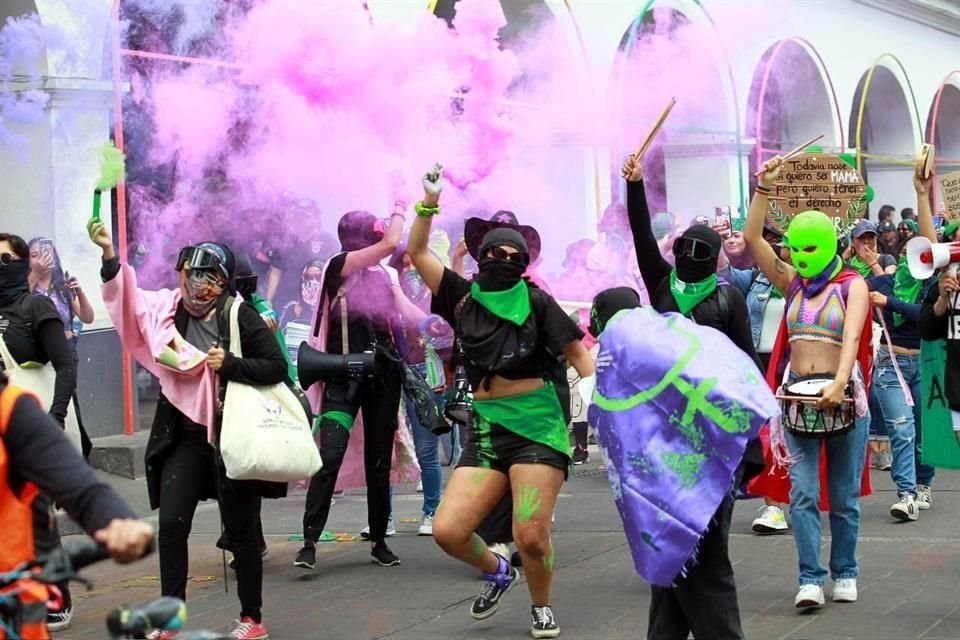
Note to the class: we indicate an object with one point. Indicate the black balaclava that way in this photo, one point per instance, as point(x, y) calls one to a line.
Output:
point(500, 275)
point(691, 271)
point(608, 303)
point(245, 280)
point(358, 230)
point(14, 281)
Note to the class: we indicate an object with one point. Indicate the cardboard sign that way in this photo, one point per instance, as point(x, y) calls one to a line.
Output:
point(950, 194)
point(820, 182)
point(939, 447)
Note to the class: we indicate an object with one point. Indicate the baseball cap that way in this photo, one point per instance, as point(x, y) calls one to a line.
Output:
point(863, 228)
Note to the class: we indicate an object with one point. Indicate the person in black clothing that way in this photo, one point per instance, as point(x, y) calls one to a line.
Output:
point(940, 320)
point(705, 600)
point(369, 295)
point(33, 331)
point(183, 466)
point(37, 452)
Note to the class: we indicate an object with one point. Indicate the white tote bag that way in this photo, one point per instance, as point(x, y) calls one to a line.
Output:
point(39, 380)
point(265, 433)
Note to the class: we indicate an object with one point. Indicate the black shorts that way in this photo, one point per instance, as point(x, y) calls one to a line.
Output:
point(498, 448)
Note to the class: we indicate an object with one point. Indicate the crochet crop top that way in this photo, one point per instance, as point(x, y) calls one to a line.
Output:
point(821, 320)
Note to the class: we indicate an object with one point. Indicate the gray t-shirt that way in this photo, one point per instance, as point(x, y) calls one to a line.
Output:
point(202, 333)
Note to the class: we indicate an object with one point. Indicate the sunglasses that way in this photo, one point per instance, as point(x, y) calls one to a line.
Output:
point(696, 250)
point(7, 258)
point(499, 253)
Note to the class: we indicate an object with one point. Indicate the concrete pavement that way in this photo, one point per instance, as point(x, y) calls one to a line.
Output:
point(909, 584)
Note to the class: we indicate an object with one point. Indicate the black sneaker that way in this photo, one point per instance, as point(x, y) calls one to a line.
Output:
point(382, 555)
point(580, 455)
point(306, 557)
point(60, 620)
point(543, 624)
point(488, 600)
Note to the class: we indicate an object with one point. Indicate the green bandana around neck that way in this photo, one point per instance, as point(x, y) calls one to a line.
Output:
point(512, 305)
point(689, 294)
point(906, 288)
point(860, 267)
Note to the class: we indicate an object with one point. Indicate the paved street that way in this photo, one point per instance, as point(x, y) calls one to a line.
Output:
point(909, 585)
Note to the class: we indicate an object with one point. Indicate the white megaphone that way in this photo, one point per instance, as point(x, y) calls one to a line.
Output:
point(925, 257)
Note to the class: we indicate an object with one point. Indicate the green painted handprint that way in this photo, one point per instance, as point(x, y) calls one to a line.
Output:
point(528, 504)
point(550, 560)
point(478, 546)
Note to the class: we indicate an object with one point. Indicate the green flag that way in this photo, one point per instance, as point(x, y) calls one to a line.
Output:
point(940, 447)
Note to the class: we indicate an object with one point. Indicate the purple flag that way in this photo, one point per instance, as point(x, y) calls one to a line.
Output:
point(675, 405)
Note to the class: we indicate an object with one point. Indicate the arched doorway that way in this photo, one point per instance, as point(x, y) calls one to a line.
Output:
point(694, 146)
point(885, 129)
point(779, 117)
point(943, 129)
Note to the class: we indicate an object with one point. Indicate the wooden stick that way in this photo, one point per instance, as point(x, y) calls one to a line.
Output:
point(656, 128)
point(793, 152)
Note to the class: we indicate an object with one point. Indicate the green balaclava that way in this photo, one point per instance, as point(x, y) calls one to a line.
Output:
point(812, 240)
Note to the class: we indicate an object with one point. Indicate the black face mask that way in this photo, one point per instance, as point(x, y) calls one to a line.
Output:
point(13, 281)
point(692, 267)
point(499, 275)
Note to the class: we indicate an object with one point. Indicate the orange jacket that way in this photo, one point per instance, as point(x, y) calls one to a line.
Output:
point(17, 545)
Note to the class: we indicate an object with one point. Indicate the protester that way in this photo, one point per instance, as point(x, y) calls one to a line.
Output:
point(897, 378)
point(32, 331)
point(518, 438)
point(888, 242)
point(862, 255)
point(179, 336)
point(825, 331)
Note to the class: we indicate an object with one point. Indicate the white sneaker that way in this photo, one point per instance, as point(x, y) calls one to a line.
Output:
point(771, 520)
point(502, 550)
point(419, 486)
point(391, 530)
point(809, 596)
point(426, 526)
point(906, 508)
point(924, 497)
point(844, 590)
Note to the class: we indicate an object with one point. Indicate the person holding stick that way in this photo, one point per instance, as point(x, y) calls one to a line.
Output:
point(824, 349)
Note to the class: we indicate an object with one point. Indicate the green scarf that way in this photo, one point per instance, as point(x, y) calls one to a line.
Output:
point(689, 294)
point(860, 266)
point(512, 305)
point(906, 288)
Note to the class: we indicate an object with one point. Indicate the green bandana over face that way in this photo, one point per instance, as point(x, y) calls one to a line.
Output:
point(860, 267)
point(512, 305)
point(689, 294)
point(906, 288)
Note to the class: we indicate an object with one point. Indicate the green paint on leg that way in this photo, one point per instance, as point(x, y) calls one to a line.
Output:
point(477, 545)
point(478, 477)
point(550, 560)
point(528, 504)
point(686, 466)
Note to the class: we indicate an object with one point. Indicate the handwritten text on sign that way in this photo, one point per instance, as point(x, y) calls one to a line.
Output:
point(819, 182)
point(950, 190)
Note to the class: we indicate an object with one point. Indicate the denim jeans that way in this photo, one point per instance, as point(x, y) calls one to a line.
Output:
point(846, 455)
point(878, 429)
point(427, 445)
point(451, 445)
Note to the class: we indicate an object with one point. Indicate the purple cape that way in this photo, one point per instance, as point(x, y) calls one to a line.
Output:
point(675, 405)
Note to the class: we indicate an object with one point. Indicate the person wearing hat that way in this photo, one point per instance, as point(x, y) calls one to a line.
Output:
point(706, 598)
point(514, 339)
point(181, 336)
point(863, 257)
point(907, 229)
point(949, 233)
point(899, 297)
point(888, 241)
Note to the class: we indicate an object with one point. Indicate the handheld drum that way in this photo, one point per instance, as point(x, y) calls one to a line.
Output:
point(798, 401)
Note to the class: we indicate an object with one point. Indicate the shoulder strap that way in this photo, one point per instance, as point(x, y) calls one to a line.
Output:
point(723, 300)
point(8, 400)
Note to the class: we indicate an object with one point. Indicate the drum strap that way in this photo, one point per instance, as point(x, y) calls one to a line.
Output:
point(893, 358)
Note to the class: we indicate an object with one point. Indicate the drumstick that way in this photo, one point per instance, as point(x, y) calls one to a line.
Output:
point(793, 152)
point(656, 128)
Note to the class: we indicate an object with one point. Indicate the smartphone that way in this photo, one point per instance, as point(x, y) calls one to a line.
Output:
point(46, 246)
